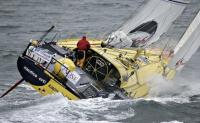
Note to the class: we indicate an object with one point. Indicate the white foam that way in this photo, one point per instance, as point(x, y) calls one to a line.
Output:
point(56, 108)
point(96, 103)
point(28, 87)
point(46, 110)
point(107, 107)
point(165, 100)
point(178, 90)
point(96, 122)
point(172, 121)
point(120, 115)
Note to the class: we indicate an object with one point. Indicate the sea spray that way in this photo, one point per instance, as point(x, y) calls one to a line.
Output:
point(178, 90)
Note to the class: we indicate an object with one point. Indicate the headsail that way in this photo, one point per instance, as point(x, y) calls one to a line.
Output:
point(148, 25)
point(188, 45)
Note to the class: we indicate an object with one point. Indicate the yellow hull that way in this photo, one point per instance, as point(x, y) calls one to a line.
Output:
point(53, 87)
point(134, 67)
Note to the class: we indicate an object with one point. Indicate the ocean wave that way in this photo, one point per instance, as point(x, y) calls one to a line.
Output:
point(6, 54)
point(2, 27)
point(100, 109)
point(26, 86)
point(56, 108)
point(179, 90)
point(165, 100)
point(175, 121)
point(8, 51)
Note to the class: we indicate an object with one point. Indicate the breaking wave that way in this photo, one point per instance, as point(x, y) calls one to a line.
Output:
point(56, 108)
point(172, 122)
point(179, 90)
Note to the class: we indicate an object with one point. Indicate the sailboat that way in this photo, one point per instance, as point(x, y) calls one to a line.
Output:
point(106, 71)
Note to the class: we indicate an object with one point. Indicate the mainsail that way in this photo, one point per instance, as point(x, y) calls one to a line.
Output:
point(148, 25)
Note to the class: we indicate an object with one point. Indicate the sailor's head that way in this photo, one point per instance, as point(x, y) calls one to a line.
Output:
point(84, 37)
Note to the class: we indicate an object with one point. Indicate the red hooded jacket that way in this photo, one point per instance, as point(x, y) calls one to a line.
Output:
point(83, 44)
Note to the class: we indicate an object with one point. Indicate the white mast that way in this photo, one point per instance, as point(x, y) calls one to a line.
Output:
point(188, 45)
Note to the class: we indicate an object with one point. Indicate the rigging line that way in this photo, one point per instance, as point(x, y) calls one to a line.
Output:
point(109, 36)
point(175, 1)
point(106, 32)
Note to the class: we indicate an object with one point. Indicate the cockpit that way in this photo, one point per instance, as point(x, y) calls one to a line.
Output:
point(97, 76)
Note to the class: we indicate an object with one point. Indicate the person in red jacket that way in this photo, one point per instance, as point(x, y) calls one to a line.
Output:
point(83, 44)
point(82, 47)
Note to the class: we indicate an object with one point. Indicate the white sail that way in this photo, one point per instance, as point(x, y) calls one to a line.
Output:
point(148, 25)
point(188, 45)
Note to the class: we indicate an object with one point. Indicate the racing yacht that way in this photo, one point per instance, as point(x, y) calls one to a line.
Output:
point(50, 66)
point(121, 73)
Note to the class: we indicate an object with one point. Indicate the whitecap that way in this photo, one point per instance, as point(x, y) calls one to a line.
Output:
point(175, 121)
